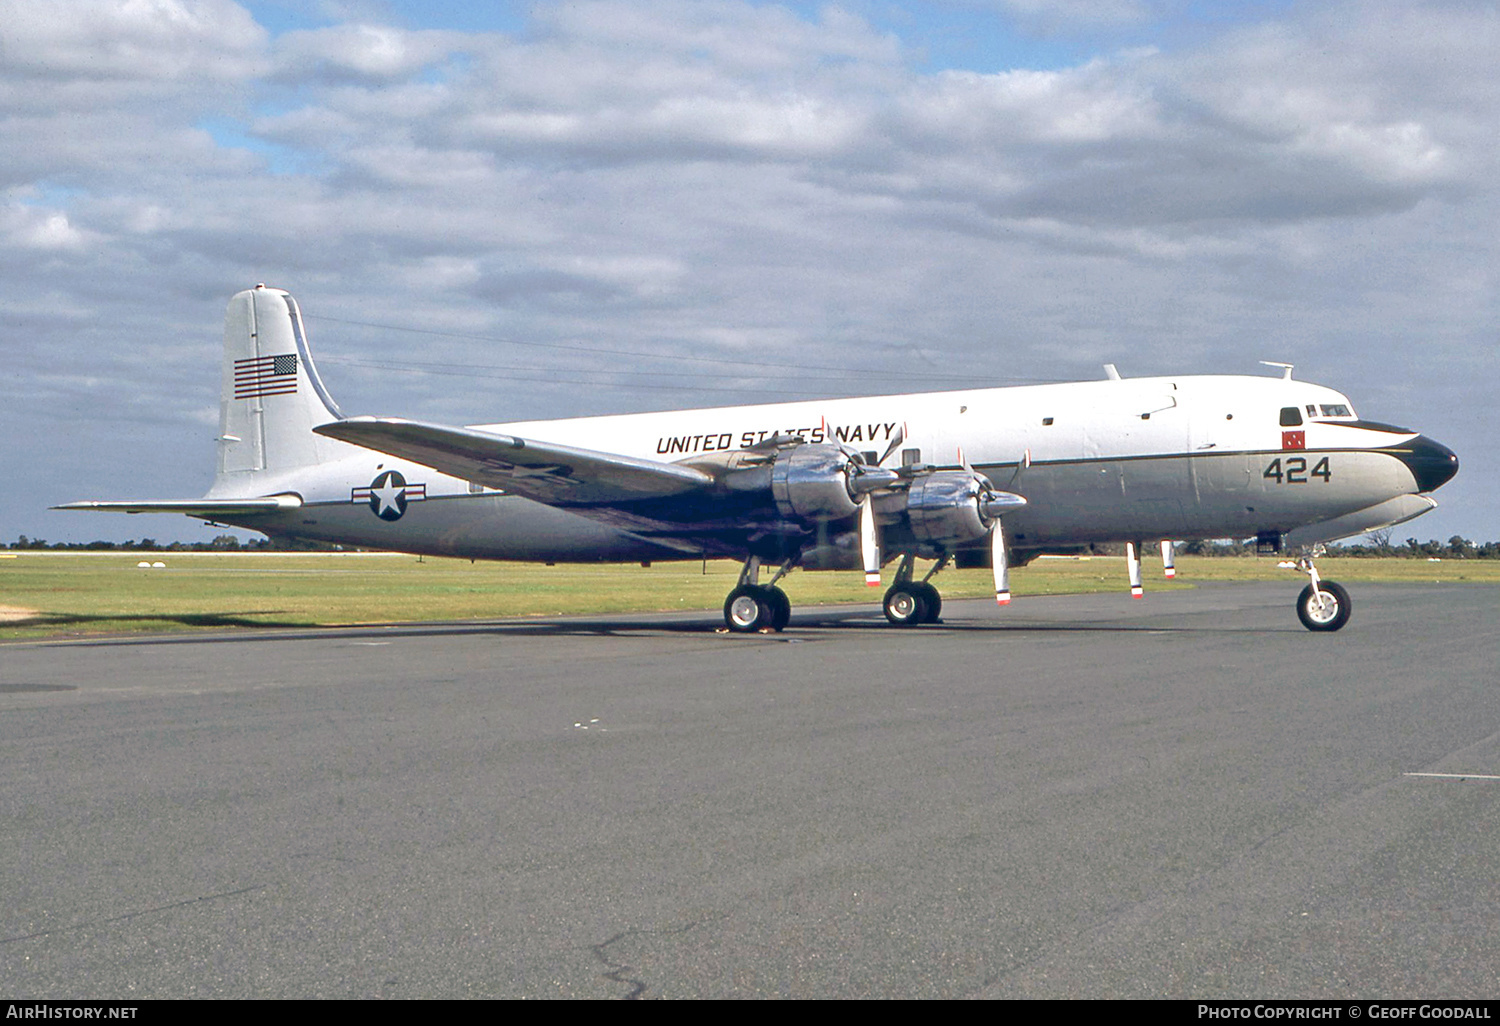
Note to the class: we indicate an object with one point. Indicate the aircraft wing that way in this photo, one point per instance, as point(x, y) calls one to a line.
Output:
point(558, 475)
point(206, 508)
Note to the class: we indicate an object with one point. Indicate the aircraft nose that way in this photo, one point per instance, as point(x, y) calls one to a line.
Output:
point(1431, 463)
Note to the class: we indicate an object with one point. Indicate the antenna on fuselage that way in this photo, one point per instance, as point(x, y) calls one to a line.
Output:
point(1286, 369)
point(1111, 373)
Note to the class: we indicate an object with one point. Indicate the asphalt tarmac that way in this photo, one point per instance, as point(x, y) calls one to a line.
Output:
point(1188, 796)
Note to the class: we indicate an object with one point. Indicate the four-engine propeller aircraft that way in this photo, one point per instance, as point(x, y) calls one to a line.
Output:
point(831, 484)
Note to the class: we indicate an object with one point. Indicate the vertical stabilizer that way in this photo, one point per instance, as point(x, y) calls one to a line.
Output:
point(270, 397)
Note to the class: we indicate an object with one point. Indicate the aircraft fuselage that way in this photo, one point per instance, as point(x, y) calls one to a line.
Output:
point(1099, 461)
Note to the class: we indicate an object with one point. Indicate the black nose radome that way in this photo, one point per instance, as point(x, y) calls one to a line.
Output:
point(1432, 464)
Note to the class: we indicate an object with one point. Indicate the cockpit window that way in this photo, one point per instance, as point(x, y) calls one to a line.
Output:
point(1336, 410)
point(1291, 416)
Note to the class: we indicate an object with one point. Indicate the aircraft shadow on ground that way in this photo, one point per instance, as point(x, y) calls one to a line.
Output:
point(125, 620)
point(815, 625)
point(812, 628)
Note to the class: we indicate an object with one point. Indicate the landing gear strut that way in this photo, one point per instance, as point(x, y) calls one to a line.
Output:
point(909, 603)
point(753, 607)
point(1323, 605)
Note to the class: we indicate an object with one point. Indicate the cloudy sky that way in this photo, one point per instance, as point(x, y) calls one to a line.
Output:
point(513, 211)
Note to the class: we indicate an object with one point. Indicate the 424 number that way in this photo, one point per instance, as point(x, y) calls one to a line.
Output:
point(1293, 470)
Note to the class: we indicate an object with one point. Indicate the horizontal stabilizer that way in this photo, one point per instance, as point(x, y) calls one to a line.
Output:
point(206, 508)
point(558, 475)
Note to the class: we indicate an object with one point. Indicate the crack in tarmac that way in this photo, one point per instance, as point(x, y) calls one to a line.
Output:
point(132, 915)
point(618, 969)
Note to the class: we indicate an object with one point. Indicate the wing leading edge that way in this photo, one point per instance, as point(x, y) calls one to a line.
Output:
point(207, 508)
point(557, 475)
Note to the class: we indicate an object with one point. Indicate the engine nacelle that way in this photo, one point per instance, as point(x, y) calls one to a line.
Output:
point(812, 482)
point(946, 509)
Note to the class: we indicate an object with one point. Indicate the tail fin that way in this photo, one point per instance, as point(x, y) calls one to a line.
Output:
point(271, 397)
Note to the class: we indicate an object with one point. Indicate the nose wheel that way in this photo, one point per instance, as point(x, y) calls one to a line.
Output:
point(1323, 605)
point(1325, 608)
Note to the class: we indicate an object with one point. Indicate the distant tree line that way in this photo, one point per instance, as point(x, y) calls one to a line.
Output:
point(220, 543)
point(1374, 544)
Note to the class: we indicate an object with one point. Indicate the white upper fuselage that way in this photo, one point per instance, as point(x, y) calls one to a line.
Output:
point(993, 426)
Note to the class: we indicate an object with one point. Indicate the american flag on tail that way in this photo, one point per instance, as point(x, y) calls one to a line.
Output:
point(265, 375)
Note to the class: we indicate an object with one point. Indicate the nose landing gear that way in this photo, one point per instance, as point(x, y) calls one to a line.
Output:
point(1323, 605)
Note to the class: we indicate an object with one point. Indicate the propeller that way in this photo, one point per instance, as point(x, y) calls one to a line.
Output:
point(864, 481)
point(995, 504)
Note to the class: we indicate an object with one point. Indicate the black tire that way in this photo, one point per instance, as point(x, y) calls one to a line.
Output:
point(1329, 615)
point(747, 609)
point(781, 608)
point(934, 602)
point(905, 606)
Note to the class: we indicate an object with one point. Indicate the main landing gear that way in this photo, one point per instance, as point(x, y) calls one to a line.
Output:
point(1323, 605)
point(753, 607)
point(909, 603)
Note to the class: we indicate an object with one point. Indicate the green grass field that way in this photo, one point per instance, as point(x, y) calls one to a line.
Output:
point(56, 594)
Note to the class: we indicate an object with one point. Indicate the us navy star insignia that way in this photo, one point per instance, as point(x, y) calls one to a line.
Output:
point(389, 494)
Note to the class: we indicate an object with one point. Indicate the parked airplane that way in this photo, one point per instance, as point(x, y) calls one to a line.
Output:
point(830, 484)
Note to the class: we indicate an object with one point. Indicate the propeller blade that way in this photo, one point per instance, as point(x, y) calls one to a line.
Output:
point(869, 544)
point(1000, 561)
point(1133, 564)
point(896, 441)
point(963, 461)
point(1016, 474)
